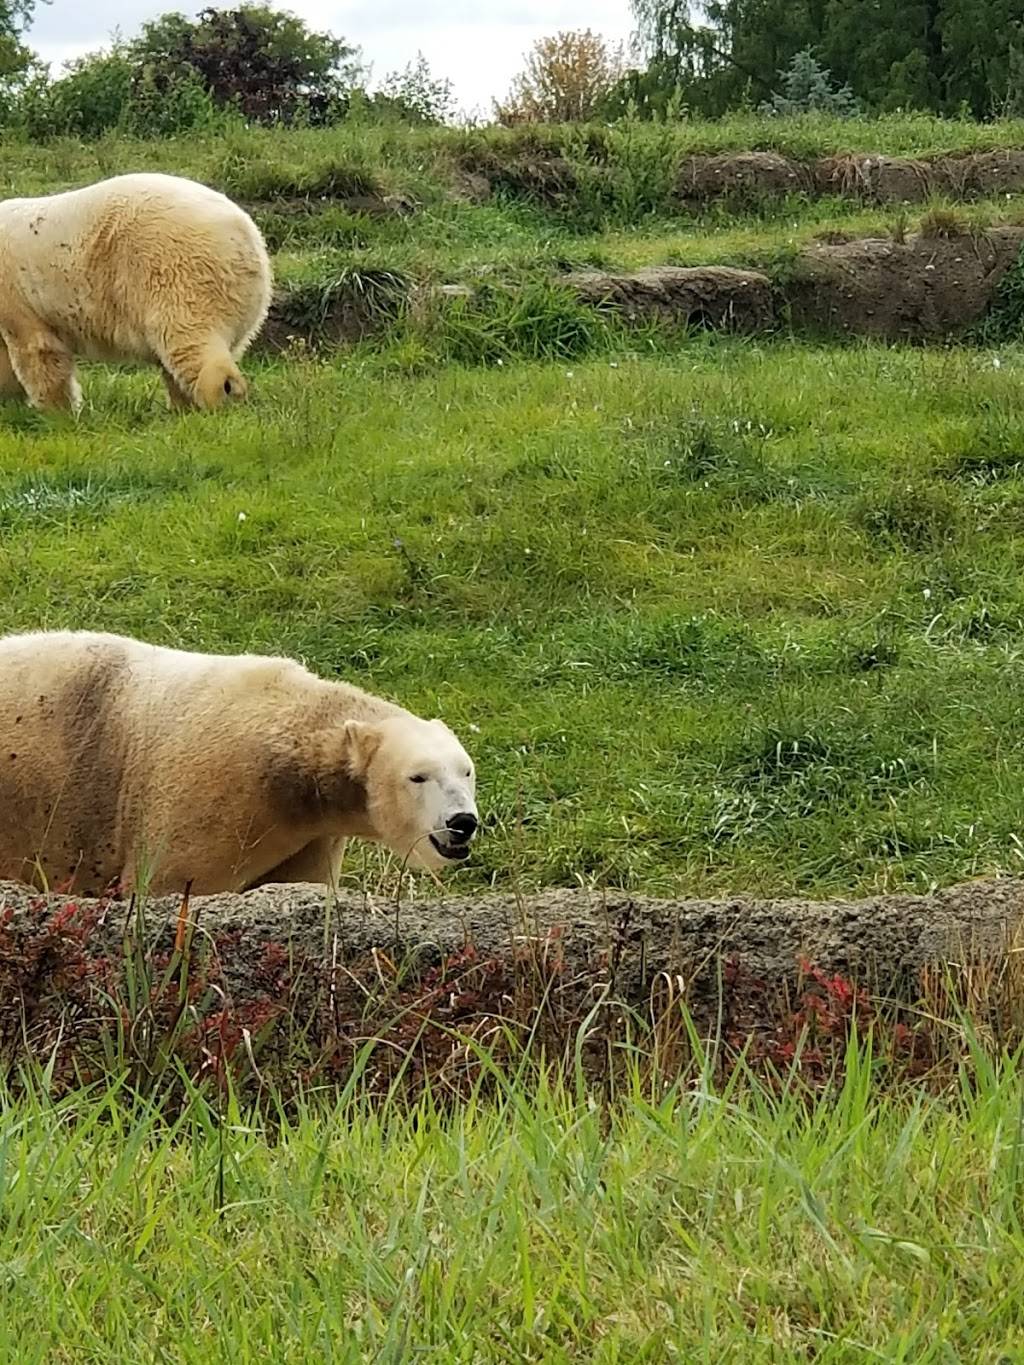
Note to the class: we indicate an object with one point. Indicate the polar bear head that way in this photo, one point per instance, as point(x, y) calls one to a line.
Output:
point(420, 787)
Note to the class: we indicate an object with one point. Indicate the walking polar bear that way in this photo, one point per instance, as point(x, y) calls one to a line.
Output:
point(127, 764)
point(138, 268)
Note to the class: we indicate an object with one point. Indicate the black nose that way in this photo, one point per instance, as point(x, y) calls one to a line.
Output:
point(464, 825)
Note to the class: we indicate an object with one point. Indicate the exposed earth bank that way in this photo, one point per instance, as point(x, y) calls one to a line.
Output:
point(881, 941)
point(283, 990)
point(928, 286)
point(924, 287)
point(871, 178)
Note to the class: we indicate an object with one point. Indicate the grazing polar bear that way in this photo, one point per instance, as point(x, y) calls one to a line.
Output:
point(134, 268)
point(125, 763)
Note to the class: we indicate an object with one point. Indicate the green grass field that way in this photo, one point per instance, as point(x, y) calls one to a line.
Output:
point(696, 1228)
point(739, 618)
point(713, 616)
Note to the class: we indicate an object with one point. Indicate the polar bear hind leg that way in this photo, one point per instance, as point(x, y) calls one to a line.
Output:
point(45, 369)
point(205, 371)
point(10, 386)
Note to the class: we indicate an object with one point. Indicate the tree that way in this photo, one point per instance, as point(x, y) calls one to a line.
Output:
point(264, 62)
point(15, 57)
point(566, 79)
point(21, 71)
point(698, 59)
point(887, 52)
point(984, 43)
point(808, 87)
point(945, 55)
point(415, 95)
point(1014, 106)
point(179, 73)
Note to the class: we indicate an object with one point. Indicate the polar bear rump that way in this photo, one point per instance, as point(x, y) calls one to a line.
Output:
point(138, 268)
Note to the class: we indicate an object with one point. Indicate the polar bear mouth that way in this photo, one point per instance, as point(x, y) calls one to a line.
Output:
point(455, 852)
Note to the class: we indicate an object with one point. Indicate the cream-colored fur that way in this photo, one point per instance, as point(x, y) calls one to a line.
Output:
point(126, 763)
point(137, 268)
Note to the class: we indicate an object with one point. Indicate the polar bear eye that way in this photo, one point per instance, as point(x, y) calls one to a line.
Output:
point(418, 778)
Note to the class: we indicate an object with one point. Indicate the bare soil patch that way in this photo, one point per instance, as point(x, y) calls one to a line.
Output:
point(924, 287)
point(333, 313)
point(747, 178)
point(742, 179)
point(717, 297)
point(343, 320)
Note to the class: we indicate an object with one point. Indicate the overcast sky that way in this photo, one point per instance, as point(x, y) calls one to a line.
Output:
point(477, 44)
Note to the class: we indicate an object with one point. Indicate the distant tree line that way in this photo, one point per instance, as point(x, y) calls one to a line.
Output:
point(256, 62)
point(263, 65)
point(950, 57)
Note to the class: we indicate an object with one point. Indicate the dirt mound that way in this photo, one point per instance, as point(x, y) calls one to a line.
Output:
point(882, 941)
point(742, 178)
point(343, 321)
point(747, 178)
point(924, 287)
point(471, 187)
point(541, 177)
point(875, 179)
point(339, 312)
point(717, 297)
point(993, 172)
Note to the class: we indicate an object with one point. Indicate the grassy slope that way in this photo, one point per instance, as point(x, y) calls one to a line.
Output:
point(248, 161)
point(736, 618)
point(621, 215)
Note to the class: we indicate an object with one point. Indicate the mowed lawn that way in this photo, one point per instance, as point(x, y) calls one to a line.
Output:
point(734, 617)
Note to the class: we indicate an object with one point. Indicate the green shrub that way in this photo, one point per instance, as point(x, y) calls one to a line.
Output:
point(90, 99)
point(106, 91)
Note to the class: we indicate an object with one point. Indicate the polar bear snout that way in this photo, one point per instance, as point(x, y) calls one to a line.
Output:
point(453, 841)
point(463, 826)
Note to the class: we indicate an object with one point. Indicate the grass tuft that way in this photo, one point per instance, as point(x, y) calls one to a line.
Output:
point(1003, 323)
point(916, 517)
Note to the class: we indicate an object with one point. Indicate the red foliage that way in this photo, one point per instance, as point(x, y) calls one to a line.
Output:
point(66, 993)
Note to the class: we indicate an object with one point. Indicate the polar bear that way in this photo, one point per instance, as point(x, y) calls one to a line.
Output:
point(150, 268)
point(127, 764)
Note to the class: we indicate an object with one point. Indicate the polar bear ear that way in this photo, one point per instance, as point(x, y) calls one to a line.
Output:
point(362, 741)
